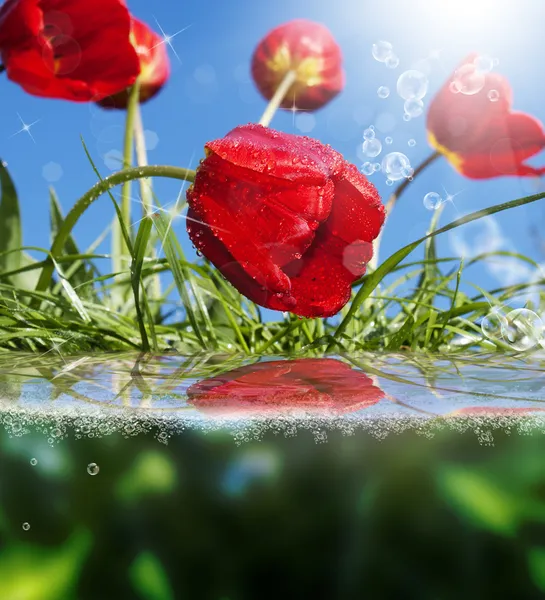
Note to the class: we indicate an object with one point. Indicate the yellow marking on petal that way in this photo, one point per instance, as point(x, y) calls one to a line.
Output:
point(454, 158)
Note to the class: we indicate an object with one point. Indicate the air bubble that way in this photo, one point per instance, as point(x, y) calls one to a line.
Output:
point(382, 51)
point(412, 85)
point(493, 95)
point(367, 168)
point(411, 143)
point(524, 329)
point(369, 133)
point(494, 325)
point(395, 164)
point(389, 140)
point(432, 201)
point(26, 526)
point(372, 147)
point(383, 92)
point(392, 61)
point(93, 469)
point(33, 462)
point(468, 80)
point(413, 107)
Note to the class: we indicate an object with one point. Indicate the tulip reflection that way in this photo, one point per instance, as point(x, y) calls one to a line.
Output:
point(316, 386)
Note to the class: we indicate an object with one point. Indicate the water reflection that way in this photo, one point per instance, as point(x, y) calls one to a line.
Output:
point(134, 393)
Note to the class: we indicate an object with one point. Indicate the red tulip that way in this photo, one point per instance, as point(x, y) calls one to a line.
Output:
point(76, 51)
point(154, 65)
point(321, 386)
point(310, 50)
point(470, 121)
point(285, 219)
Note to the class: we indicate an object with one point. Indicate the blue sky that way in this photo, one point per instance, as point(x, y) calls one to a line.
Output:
point(210, 92)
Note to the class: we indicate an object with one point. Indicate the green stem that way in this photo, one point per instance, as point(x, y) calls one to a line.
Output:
point(146, 192)
point(90, 196)
point(276, 100)
point(392, 200)
point(120, 251)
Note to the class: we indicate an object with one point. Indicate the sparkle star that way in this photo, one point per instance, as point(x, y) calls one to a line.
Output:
point(167, 39)
point(25, 127)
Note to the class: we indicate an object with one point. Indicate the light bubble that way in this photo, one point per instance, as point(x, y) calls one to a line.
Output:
point(411, 143)
point(369, 133)
point(52, 171)
point(394, 165)
point(412, 84)
point(382, 51)
point(383, 92)
point(493, 95)
point(494, 325)
point(372, 147)
point(305, 122)
point(413, 107)
point(389, 140)
point(392, 61)
point(151, 139)
point(113, 159)
point(524, 329)
point(432, 201)
point(484, 63)
point(468, 80)
point(367, 168)
point(93, 469)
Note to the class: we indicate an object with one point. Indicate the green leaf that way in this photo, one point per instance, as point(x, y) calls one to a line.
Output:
point(149, 579)
point(536, 566)
point(30, 572)
point(480, 500)
point(10, 222)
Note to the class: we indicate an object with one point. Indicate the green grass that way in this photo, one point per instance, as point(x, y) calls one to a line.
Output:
point(66, 301)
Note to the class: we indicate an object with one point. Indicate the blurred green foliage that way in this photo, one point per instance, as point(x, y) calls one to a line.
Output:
point(203, 518)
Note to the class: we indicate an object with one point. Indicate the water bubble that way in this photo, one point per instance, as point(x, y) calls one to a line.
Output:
point(432, 201)
point(468, 80)
point(412, 85)
point(493, 95)
point(413, 107)
point(493, 325)
point(33, 462)
point(392, 61)
point(367, 168)
point(383, 92)
point(372, 147)
point(389, 182)
point(407, 172)
point(484, 63)
point(376, 166)
point(395, 164)
point(93, 469)
point(412, 142)
point(389, 140)
point(382, 51)
point(406, 117)
point(26, 526)
point(453, 88)
point(524, 329)
point(369, 133)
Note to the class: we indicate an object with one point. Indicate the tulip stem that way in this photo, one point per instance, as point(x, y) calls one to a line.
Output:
point(276, 100)
point(146, 190)
point(90, 196)
point(120, 251)
point(392, 200)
